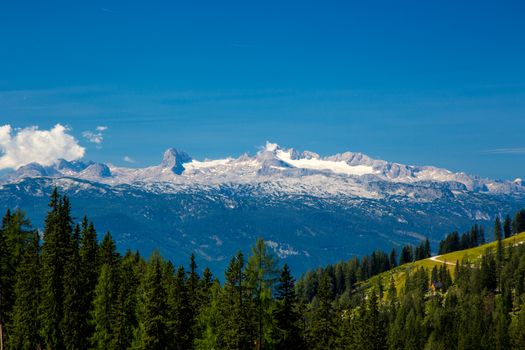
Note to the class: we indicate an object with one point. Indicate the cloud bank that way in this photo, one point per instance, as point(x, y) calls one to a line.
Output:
point(22, 146)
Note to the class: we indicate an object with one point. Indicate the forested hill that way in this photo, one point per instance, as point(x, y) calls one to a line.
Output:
point(65, 290)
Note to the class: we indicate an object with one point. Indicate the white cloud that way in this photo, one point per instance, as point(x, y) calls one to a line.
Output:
point(96, 137)
point(129, 159)
point(26, 145)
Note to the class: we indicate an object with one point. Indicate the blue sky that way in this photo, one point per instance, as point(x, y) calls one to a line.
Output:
point(416, 82)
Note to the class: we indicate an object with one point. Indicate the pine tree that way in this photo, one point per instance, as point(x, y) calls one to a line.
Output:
point(507, 226)
point(74, 320)
point(393, 258)
point(406, 255)
point(182, 311)
point(195, 298)
point(286, 316)
point(235, 331)
point(518, 224)
point(208, 320)
point(154, 322)
point(501, 326)
point(126, 303)
point(5, 273)
point(517, 329)
point(103, 313)
point(57, 236)
point(89, 271)
point(15, 234)
point(322, 333)
point(26, 326)
point(108, 251)
point(427, 252)
point(498, 238)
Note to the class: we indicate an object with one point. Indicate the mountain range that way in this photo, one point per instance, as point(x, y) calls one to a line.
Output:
point(311, 210)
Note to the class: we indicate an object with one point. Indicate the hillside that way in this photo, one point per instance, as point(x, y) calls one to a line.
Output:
point(471, 255)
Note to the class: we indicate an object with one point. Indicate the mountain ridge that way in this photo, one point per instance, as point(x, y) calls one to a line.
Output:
point(315, 210)
point(272, 161)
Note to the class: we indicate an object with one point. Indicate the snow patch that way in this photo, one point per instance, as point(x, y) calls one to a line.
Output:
point(340, 167)
point(283, 250)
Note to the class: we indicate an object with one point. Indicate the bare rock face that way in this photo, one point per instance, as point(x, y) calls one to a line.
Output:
point(174, 160)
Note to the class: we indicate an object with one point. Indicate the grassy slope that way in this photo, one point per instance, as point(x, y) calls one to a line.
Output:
point(473, 254)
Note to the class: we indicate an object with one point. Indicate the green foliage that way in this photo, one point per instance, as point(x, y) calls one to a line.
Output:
point(286, 313)
point(261, 276)
point(154, 322)
point(26, 325)
point(103, 313)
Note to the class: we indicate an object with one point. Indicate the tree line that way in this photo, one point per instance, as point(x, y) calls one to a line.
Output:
point(476, 235)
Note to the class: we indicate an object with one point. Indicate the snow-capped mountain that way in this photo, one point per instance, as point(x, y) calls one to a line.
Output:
point(348, 173)
point(312, 209)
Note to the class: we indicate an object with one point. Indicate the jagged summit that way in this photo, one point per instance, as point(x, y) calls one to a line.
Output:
point(174, 159)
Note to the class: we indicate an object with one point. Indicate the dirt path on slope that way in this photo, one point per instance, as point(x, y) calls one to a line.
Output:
point(435, 258)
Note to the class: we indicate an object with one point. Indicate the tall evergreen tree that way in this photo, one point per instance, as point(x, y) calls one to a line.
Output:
point(73, 321)
point(5, 273)
point(235, 331)
point(208, 320)
point(89, 271)
point(25, 329)
point(15, 234)
point(507, 226)
point(126, 302)
point(103, 313)
point(498, 237)
point(154, 321)
point(393, 258)
point(518, 224)
point(57, 237)
point(108, 251)
point(322, 333)
point(261, 276)
point(286, 314)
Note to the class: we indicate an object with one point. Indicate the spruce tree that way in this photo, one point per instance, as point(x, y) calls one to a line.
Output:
point(286, 315)
point(57, 237)
point(5, 274)
point(15, 234)
point(208, 320)
point(235, 331)
point(393, 258)
point(154, 321)
point(26, 326)
point(103, 313)
point(322, 333)
point(498, 238)
point(507, 226)
point(518, 224)
point(74, 320)
point(89, 271)
point(126, 303)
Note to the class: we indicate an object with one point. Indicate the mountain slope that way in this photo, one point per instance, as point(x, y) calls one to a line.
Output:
point(313, 210)
point(471, 255)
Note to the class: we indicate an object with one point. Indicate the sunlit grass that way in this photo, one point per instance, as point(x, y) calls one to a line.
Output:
point(472, 255)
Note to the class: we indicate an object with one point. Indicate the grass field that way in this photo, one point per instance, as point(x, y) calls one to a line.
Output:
point(472, 255)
